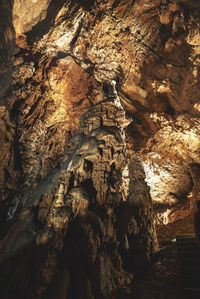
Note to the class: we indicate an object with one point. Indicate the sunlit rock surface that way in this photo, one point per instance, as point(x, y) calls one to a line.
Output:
point(99, 122)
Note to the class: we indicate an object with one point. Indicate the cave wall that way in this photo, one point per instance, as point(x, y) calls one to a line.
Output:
point(8, 158)
point(151, 50)
point(99, 118)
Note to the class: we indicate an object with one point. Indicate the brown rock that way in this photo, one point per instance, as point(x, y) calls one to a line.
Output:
point(99, 122)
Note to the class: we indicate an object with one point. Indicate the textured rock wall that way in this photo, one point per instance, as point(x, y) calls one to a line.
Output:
point(151, 50)
point(79, 225)
point(9, 154)
point(99, 110)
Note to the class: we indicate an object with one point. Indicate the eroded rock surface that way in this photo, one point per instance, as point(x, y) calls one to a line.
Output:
point(99, 116)
point(81, 218)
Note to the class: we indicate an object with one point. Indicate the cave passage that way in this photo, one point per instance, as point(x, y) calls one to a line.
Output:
point(100, 149)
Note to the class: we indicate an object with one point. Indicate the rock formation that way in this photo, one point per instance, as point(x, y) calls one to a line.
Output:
point(99, 125)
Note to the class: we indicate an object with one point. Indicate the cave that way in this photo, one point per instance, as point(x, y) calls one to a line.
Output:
point(100, 149)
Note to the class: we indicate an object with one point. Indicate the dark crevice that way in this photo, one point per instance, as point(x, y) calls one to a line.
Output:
point(89, 187)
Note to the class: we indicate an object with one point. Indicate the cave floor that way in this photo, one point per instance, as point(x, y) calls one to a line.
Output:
point(162, 278)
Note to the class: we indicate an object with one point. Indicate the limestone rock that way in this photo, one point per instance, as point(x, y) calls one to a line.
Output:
point(99, 124)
